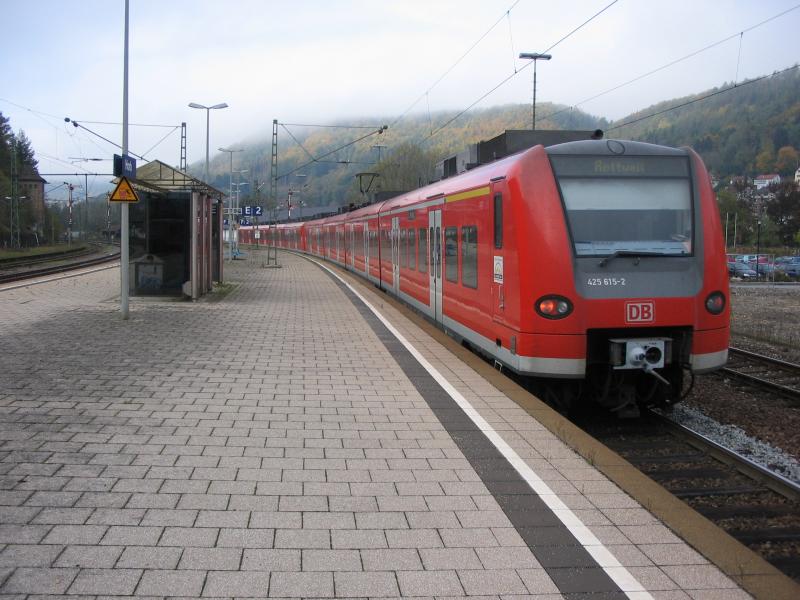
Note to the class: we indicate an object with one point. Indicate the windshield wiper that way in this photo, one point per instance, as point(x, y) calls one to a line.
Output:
point(635, 253)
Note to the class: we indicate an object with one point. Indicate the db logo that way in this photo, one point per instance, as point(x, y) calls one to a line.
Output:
point(640, 312)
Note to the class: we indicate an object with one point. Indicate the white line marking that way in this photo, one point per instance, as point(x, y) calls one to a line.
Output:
point(618, 573)
point(76, 273)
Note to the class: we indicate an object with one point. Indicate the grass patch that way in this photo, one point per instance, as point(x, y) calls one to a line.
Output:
point(220, 291)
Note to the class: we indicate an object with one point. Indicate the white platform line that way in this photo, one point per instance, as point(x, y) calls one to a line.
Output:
point(618, 573)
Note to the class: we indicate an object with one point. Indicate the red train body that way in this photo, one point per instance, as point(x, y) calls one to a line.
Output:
point(600, 262)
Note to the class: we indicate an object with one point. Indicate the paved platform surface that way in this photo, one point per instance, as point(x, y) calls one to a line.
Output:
point(272, 444)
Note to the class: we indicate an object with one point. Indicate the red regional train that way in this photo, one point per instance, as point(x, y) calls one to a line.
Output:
point(597, 264)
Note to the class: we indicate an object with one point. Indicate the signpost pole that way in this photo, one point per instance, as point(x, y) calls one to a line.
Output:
point(124, 257)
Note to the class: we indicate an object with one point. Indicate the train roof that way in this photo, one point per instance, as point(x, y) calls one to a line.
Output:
point(612, 147)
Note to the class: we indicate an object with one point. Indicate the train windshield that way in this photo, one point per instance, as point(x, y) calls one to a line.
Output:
point(627, 204)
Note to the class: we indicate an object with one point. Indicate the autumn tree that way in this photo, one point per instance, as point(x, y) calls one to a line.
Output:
point(787, 161)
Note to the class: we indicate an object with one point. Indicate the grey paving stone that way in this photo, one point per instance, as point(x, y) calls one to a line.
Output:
point(55, 516)
point(357, 539)
point(429, 583)
point(238, 584)
point(161, 582)
point(222, 518)
point(39, 581)
point(29, 555)
point(329, 520)
point(246, 538)
point(116, 516)
point(391, 560)
point(381, 520)
point(472, 538)
point(148, 557)
point(114, 582)
point(414, 538)
point(89, 557)
point(123, 535)
point(276, 520)
point(374, 584)
point(75, 534)
point(23, 534)
point(302, 538)
point(271, 560)
point(306, 585)
point(491, 582)
point(331, 560)
point(442, 559)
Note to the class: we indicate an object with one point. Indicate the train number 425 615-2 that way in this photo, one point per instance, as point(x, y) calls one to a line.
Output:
point(605, 281)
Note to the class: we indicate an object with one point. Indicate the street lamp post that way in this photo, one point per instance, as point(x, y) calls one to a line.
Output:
point(534, 56)
point(230, 197)
point(208, 110)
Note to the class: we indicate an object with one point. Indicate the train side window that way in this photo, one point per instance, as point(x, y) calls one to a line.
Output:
point(451, 254)
point(469, 256)
point(422, 245)
point(498, 221)
point(402, 250)
point(412, 249)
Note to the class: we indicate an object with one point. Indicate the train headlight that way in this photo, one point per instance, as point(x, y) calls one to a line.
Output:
point(553, 307)
point(715, 303)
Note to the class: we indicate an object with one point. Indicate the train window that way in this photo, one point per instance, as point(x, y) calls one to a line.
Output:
point(627, 204)
point(412, 249)
point(469, 256)
point(422, 246)
point(386, 245)
point(402, 247)
point(498, 221)
point(451, 254)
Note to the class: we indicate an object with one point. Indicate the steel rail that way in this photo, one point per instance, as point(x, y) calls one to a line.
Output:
point(793, 369)
point(775, 481)
point(14, 277)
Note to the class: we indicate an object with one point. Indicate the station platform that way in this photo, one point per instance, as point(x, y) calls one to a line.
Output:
point(295, 434)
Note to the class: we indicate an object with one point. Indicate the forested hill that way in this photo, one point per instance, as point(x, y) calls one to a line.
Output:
point(751, 129)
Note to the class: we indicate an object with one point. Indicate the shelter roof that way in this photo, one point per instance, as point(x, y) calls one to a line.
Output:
point(159, 177)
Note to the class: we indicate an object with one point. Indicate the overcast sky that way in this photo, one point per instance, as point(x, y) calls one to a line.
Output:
point(315, 61)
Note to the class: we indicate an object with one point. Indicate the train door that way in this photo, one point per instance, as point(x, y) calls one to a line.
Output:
point(352, 246)
point(366, 248)
point(435, 265)
point(498, 258)
point(395, 239)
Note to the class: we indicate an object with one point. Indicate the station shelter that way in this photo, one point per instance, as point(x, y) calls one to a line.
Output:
point(175, 233)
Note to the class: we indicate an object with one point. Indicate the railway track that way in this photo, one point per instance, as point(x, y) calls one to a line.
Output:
point(33, 273)
point(764, 372)
point(759, 508)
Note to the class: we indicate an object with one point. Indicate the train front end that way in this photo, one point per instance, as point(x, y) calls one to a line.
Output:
point(646, 299)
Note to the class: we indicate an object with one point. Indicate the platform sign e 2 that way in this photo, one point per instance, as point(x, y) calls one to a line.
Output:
point(252, 211)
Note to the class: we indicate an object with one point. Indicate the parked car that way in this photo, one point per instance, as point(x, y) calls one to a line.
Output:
point(742, 270)
point(762, 269)
point(789, 265)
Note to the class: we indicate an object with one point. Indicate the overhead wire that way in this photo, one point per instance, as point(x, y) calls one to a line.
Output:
point(378, 131)
point(674, 62)
point(705, 97)
point(455, 64)
point(515, 73)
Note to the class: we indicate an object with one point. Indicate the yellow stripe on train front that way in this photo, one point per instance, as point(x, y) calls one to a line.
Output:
point(467, 195)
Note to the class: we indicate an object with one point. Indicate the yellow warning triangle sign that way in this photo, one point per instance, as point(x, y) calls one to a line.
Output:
point(124, 192)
